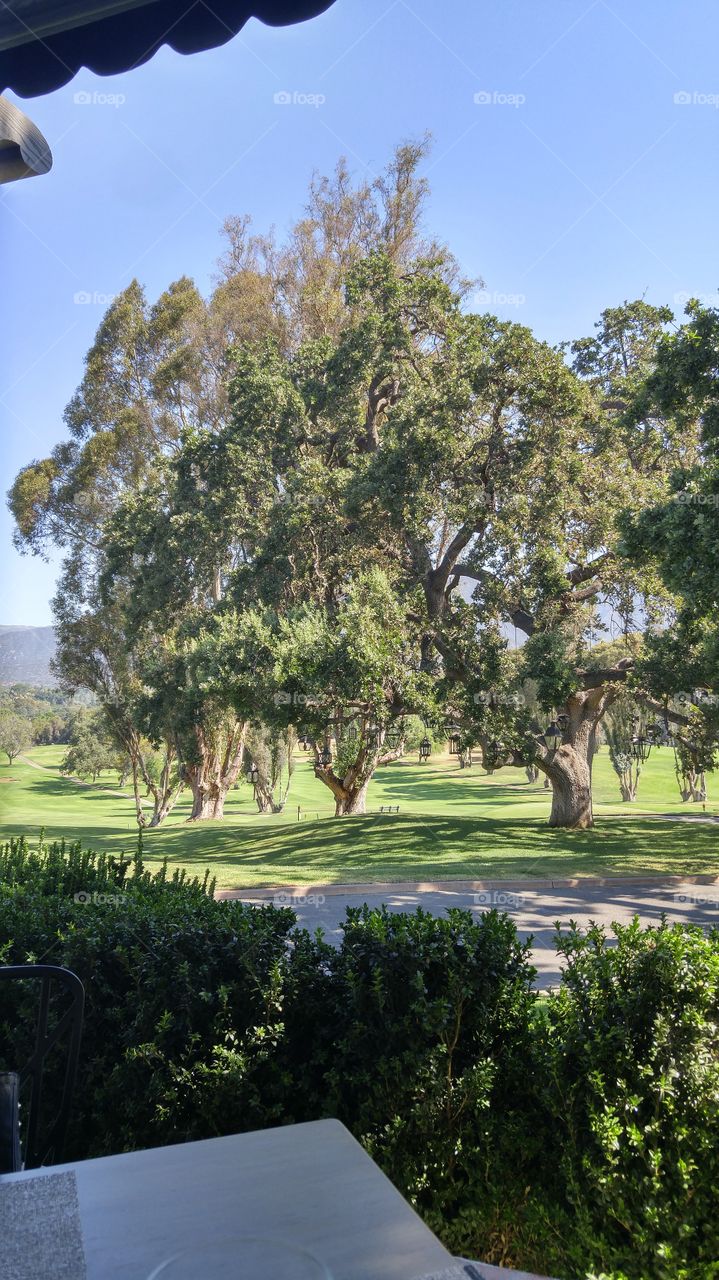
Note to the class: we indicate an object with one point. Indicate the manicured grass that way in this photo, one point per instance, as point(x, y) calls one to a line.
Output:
point(452, 823)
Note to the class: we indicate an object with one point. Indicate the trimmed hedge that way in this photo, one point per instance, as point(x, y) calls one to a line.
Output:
point(573, 1135)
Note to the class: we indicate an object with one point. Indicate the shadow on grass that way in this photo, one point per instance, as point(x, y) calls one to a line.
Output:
point(414, 847)
point(247, 849)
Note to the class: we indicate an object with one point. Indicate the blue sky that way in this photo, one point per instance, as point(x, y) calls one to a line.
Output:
point(574, 165)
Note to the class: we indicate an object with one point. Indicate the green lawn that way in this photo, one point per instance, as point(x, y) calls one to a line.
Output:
point(452, 823)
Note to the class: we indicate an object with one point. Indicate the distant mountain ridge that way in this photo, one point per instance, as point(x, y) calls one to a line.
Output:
point(25, 655)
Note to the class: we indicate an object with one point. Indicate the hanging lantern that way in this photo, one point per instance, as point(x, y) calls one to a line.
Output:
point(393, 737)
point(325, 758)
point(654, 734)
point(455, 744)
point(552, 736)
point(253, 774)
point(639, 748)
point(425, 749)
point(372, 739)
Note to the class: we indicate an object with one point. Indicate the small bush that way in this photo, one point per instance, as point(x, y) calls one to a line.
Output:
point(631, 1088)
point(169, 973)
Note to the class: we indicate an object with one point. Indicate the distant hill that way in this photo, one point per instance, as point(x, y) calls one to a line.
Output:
point(25, 654)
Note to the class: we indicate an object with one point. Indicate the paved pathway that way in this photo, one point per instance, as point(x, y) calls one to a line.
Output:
point(533, 905)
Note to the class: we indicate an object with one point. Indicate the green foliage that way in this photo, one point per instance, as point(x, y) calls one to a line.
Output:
point(570, 1135)
point(92, 749)
point(620, 726)
point(15, 734)
point(547, 659)
point(632, 1068)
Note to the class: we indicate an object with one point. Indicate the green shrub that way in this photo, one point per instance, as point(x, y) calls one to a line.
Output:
point(631, 1071)
point(168, 971)
point(571, 1135)
point(431, 1059)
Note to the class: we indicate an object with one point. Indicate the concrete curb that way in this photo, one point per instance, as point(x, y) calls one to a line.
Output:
point(376, 888)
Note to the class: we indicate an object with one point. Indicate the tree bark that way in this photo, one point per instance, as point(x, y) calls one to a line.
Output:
point(265, 799)
point(692, 787)
point(350, 791)
point(571, 779)
point(569, 768)
point(353, 801)
point(215, 771)
point(628, 790)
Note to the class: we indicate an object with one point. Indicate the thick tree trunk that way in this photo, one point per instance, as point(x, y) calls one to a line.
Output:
point(350, 791)
point(140, 815)
point(215, 772)
point(571, 780)
point(569, 768)
point(353, 801)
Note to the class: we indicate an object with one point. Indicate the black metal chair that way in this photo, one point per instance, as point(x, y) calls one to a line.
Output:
point(36, 1148)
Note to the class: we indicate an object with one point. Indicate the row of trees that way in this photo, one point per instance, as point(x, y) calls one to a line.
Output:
point(35, 715)
point(46, 713)
point(320, 500)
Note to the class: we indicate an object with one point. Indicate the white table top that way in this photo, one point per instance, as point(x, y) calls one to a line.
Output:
point(309, 1184)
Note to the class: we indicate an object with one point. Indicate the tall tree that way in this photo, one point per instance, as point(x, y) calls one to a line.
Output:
point(677, 537)
point(495, 464)
point(15, 734)
point(155, 389)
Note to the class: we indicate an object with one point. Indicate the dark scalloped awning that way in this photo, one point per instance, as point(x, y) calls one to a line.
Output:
point(44, 43)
